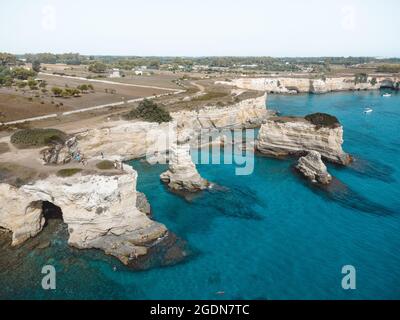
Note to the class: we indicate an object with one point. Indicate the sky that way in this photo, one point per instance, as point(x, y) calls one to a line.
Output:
point(202, 28)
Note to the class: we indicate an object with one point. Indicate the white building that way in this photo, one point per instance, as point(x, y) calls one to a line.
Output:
point(115, 73)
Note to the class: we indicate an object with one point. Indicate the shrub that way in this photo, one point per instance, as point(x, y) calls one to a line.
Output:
point(105, 165)
point(37, 137)
point(150, 111)
point(97, 67)
point(57, 91)
point(323, 120)
point(68, 172)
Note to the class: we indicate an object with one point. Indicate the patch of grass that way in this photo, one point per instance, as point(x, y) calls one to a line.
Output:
point(16, 175)
point(323, 120)
point(68, 172)
point(30, 138)
point(149, 111)
point(105, 165)
point(4, 147)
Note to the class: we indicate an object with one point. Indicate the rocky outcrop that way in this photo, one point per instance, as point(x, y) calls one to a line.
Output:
point(100, 211)
point(283, 136)
point(182, 174)
point(295, 85)
point(60, 153)
point(312, 167)
point(245, 114)
point(124, 140)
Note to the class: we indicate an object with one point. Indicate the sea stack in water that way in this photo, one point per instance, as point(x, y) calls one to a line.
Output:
point(312, 167)
point(283, 136)
point(182, 174)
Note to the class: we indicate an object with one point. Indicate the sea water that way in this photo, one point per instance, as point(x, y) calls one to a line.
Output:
point(268, 235)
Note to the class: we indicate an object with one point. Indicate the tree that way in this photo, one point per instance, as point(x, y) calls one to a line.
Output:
point(97, 67)
point(57, 91)
point(150, 111)
point(7, 59)
point(32, 84)
point(22, 73)
point(36, 65)
point(21, 84)
point(83, 87)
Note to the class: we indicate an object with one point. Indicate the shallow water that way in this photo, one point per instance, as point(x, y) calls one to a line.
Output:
point(269, 235)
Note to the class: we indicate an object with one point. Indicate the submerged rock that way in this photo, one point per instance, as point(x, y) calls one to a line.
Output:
point(312, 167)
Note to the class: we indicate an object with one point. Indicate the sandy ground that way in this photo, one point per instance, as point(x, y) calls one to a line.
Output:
point(23, 104)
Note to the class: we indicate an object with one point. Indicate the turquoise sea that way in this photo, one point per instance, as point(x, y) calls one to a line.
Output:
point(269, 235)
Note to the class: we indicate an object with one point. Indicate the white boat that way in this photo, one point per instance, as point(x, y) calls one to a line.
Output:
point(386, 95)
point(368, 110)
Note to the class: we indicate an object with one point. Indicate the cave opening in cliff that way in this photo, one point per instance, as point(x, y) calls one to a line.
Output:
point(51, 212)
point(387, 84)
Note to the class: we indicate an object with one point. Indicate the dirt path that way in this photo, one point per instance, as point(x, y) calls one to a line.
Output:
point(110, 82)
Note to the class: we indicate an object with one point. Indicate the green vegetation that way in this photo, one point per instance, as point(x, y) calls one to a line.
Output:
point(36, 137)
point(323, 120)
point(65, 93)
point(57, 91)
point(68, 172)
point(67, 58)
point(22, 73)
point(389, 68)
point(7, 59)
point(105, 165)
point(32, 84)
point(374, 81)
point(149, 111)
point(97, 67)
point(36, 65)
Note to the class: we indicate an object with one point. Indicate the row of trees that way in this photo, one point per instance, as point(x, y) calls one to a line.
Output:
point(71, 92)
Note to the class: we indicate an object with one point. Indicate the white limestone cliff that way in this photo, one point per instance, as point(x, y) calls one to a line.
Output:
point(295, 85)
point(312, 167)
point(182, 174)
point(125, 140)
point(100, 212)
point(281, 137)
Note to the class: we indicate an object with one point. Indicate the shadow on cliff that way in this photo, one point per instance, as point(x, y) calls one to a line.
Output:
point(340, 193)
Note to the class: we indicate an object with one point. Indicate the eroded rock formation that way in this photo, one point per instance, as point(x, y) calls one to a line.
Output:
point(312, 167)
point(182, 174)
point(130, 140)
point(283, 136)
point(100, 211)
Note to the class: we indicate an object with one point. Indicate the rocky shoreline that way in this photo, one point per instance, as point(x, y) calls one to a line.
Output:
point(102, 210)
point(286, 85)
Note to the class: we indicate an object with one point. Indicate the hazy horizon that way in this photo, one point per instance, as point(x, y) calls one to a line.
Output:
point(312, 28)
